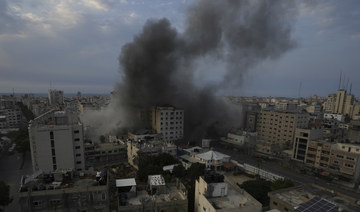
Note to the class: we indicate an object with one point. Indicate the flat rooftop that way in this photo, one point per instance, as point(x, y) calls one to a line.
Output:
point(172, 194)
point(236, 197)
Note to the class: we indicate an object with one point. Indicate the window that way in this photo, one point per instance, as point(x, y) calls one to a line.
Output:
point(77, 139)
point(76, 131)
point(350, 158)
point(78, 162)
point(53, 152)
point(349, 165)
point(51, 135)
point(54, 160)
point(37, 204)
point(275, 203)
point(78, 155)
point(77, 147)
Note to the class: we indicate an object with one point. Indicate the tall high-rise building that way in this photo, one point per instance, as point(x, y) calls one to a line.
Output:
point(168, 121)
point(55, 97)
point(56, 141)
point(340, 101)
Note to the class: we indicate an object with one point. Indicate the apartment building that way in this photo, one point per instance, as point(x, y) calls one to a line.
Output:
point(55, 97)
point(278, 127)
point(214, 193)
point(65, 190)
point(340, 159)
point(168, 121)
point(56, 141)
point(301, 140)
point(329, 105)
point(10, 118)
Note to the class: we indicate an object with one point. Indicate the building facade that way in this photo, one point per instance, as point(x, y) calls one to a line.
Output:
point(55, 97)
point(168, 121)
point(64, 190)
point(278, 127)
point(301, 140)
point(56, 141)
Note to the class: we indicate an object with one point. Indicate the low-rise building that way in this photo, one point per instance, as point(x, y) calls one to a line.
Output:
point(240, 138)
point(148, 147)
point(308, 198)
point(64, 190)
point(156, 195)
point(104, 154)
point(211, 159)
point(213, 193)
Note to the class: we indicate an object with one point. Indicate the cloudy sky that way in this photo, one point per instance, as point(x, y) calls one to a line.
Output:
point(75, 45)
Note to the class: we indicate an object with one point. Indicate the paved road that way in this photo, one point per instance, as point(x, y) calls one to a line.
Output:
point(273, 166)
point(11, 173)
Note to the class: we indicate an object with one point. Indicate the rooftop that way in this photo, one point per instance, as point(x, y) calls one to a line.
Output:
point(212, 155)
point(62, 180)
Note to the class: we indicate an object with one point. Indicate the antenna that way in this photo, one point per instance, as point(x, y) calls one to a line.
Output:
point(350, 88)
point(343, 82)
point(340, 80)
point(347, 83)
point(299, 92)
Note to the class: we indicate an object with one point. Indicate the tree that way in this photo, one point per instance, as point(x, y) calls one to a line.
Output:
point(258, 189)
point(5, 198)
point(196, 170)
point(280, 184)
point(179, 171)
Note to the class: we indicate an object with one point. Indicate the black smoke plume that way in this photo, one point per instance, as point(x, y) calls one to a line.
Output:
point(158, 66)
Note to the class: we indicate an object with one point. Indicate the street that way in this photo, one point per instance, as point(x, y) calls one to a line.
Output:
point(11, 173)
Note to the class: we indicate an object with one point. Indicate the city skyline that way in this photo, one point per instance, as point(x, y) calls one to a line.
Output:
point(75, 46)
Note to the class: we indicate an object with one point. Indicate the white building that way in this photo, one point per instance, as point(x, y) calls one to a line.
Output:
point(168, 121)
point(56, 141)
point(55, 97)
point(332, 116)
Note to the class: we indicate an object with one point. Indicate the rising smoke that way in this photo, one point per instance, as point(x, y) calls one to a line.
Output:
point(158, 65)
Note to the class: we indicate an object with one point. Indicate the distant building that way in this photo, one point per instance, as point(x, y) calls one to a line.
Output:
point(155, 196)
point(213, 194)
point(168, 121)
point(251, 119)
point(56, 97)
point(10, 118)
point(56, 141)
point(240, 138)
point(333, 116)
point(329, 105)
point(278, 127)
point(65, 190)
